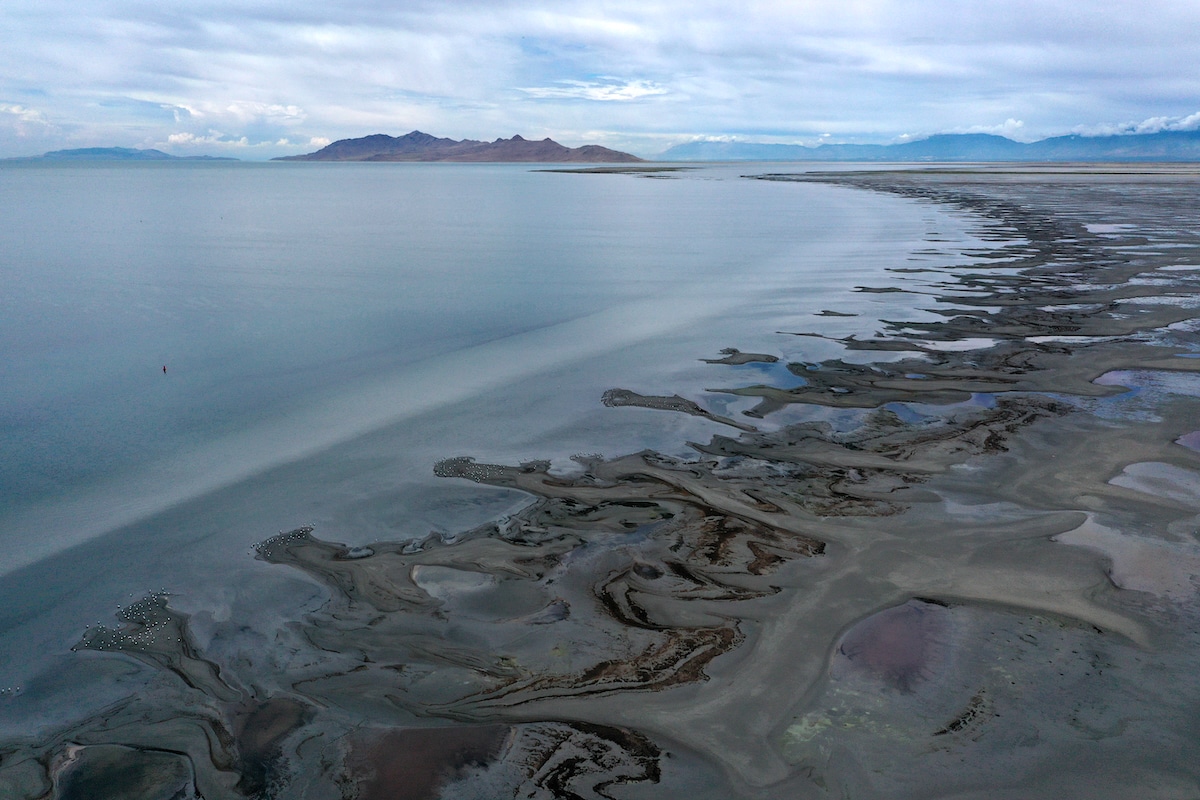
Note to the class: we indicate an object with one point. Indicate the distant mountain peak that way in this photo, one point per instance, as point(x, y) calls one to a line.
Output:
point(1162, 146)
point(117, 154)
point(418, 146)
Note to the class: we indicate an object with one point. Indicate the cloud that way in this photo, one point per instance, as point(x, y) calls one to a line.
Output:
point(24, 121)
point(212, 138)
point(216, 139)
point(606, 91)
point(241, 112)
point(254, 124)
point(133, 71)
point(246, 112)
point(23, 114)
point(1158, 124)
point(1010, 128)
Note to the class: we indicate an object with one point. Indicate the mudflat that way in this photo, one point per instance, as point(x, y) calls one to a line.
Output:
point(970, 569)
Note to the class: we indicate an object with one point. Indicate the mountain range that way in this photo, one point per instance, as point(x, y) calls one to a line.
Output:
point(1161, 146)
point(418, 146)
point(115, 154)
point(949, 147)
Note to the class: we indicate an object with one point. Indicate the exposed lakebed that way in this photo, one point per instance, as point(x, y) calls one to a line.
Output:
point(972, 570)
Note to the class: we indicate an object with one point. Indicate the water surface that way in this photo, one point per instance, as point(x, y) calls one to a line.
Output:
point(329, 333)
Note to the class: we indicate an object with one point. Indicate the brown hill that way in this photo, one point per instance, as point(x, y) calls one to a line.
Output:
point(418, 146)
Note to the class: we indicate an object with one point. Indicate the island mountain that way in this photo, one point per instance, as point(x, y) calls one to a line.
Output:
point(418, 146)
point(115, 154)
point(1161, 146)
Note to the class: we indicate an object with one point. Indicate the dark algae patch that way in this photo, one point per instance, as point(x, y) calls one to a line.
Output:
point(960, 559)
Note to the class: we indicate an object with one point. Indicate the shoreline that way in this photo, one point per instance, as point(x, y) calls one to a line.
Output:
point(721, 608)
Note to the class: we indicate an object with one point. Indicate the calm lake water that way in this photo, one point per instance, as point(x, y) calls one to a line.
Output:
point(330, 331)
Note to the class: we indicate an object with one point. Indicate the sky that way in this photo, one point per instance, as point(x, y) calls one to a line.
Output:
point(261, 79)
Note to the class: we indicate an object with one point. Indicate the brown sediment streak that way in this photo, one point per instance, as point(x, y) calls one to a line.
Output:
point(615, 398)
point(582, 760)
point(384, 579)
point(678, 659)
point(646, 599)
point(939, 379)
point(262, 728)
point(734, 357)
point(971, 717)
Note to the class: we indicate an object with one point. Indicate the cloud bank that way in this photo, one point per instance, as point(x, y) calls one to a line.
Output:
point(267, 77)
